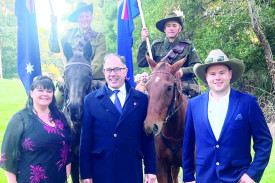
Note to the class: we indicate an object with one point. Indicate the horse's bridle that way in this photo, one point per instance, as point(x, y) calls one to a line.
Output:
point(172, 109)
point(66, 101)
point(75, 63)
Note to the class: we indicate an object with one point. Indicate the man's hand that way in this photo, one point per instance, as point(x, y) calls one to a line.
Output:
point(179, 73)
point(87, 180)
point(245, 179)
point(150, 178)
point(144, 34)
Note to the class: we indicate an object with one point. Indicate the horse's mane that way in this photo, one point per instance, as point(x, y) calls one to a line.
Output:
point(160, 66)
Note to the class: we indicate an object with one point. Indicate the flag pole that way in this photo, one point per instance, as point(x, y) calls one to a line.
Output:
point(144, 26)
point(58, 38)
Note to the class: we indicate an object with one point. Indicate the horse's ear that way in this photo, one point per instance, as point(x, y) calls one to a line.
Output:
point(151, 62)
point(68, 51)
point(87, 51)
point(176, 66)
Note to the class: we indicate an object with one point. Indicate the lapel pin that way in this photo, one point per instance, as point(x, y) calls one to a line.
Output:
point(135, 103)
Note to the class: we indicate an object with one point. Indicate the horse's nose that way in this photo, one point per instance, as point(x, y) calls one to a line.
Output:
point(155, 129)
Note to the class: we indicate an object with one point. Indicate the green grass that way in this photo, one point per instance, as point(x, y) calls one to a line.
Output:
point(13, 98)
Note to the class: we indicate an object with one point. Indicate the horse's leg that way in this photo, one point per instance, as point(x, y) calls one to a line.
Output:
point(75, 169)
point(75, 152)
point(169, 174)
point(161, 172)
point(175, 173)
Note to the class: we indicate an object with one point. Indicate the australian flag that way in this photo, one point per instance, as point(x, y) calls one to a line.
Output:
point(28, 55)
point(127, 10)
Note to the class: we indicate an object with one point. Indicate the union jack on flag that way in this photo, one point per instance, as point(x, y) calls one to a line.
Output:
point(30, 6)
point(127, 11)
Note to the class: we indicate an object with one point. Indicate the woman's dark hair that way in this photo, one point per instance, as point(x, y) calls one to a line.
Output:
point(46, 83)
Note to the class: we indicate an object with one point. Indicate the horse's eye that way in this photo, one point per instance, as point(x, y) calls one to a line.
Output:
point(169, 88)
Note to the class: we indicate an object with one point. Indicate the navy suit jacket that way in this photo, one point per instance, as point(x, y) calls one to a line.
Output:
point(227, 159)
point(112, 145)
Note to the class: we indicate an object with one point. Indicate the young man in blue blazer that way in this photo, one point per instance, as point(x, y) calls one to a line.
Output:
point(220, 125)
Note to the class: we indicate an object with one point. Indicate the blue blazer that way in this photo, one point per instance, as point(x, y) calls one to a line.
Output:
point(227, 159)
point(113, 146)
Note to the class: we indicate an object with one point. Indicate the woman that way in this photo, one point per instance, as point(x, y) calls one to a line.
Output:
point(36, 145)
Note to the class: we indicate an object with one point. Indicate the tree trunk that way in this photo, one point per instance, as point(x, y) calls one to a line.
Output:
point(264, 42)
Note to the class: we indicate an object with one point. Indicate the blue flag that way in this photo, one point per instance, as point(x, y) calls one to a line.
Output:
point(127, 11)
point(28, 55)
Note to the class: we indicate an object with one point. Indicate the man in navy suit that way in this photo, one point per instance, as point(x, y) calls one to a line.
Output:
point(219, 126)
point(113, 142)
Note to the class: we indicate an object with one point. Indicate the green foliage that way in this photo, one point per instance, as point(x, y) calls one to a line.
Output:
point(209, 24)
point(110, 14)
point(226, 25)
point(51, 70)
point(8, 39)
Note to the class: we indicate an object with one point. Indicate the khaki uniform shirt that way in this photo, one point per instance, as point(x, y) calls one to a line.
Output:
point(161, 47)
point(98, 48)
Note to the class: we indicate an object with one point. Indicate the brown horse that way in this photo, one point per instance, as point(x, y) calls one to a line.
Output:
point(165, 117)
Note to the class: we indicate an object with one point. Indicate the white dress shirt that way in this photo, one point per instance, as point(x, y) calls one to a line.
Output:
point(217, 111)
point(121, 95)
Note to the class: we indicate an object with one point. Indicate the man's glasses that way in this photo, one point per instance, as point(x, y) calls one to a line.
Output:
point(116, 70)
point(218, 59)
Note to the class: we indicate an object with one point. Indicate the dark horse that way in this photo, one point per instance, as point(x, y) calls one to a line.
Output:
point(78, 78)
point(166, 117)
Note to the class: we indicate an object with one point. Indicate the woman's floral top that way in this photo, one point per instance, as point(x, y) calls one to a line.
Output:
point(36, 152)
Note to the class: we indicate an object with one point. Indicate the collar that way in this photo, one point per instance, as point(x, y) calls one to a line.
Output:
point(122, 89)
point(106, 91)
point(80, 32)
point(169, 45)
point(141, 84)
point(222, 99)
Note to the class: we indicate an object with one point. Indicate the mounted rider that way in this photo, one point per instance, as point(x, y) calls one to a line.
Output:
point(172, 48)
point(80, 36)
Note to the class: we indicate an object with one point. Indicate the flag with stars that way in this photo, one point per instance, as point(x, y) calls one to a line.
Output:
point(28, 54)
point(127, 10)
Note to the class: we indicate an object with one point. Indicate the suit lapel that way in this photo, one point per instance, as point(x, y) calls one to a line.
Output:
point(109, 105)
point(106, 101)
point(129, 106)
point(204, 111)
point(232, 105)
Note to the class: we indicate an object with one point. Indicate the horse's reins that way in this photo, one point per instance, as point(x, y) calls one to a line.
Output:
point(171, 109)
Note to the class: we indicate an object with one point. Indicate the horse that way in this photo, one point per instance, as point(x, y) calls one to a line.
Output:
point(77, 78)
point(166, 117)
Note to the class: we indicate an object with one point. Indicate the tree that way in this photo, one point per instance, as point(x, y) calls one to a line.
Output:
point(264, 42)
point(8, 39)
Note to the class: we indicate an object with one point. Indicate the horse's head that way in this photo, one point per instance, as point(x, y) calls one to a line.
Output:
point(78, 77)
point(164, 91)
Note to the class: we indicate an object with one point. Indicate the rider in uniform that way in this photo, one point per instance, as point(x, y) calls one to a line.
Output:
point(77, 37)
point(172, 48)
